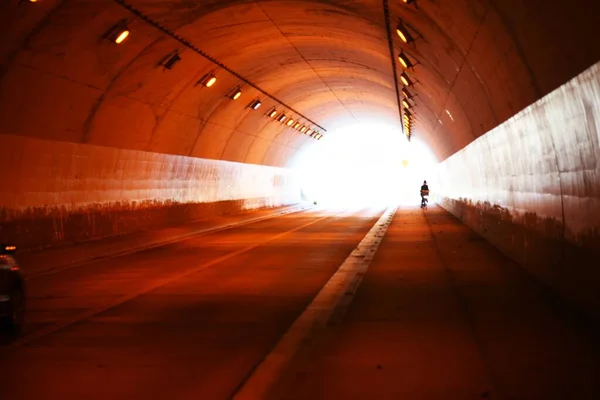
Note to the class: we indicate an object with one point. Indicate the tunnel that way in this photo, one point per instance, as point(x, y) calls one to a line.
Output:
point(132, 129)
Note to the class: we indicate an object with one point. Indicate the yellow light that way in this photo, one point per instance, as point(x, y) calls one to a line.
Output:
point(404, 60)
point(405, 103)
point(210, 82)
point(272, 113)
point(405, 79)
point(303, 129)
point(237, 95)
point(297, 125)
point(309, 132)
point(290, 122)
point(406, 93)
point(403, 33)
point(122, 36)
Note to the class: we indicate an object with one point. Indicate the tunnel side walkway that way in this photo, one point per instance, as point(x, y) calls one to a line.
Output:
point(441, 314)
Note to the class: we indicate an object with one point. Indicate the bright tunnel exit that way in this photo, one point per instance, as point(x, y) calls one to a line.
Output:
point(365, 165)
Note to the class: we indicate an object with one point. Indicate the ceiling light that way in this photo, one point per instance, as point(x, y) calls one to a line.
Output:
point(405, 103)
point(303, 129)
point(405, 36)
point(309, 132)
point(207, 80)
point(281, 118)
point(404, 60)
point(405, 79)
point(407, 1)
point(118, 32)
point(406, 93)
point(297, 125)
point(256, 104)
point(290, 122)
point(237, 93)
point(122, 36)
point(172, 60)
point(272, 113)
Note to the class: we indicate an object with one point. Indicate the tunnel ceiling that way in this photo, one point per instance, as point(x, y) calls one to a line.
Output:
point(477, 62)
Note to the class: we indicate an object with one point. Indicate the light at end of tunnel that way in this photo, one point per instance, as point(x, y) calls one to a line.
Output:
point(405, 79)
point(281, 118)
point(121, 36)
point(405, 36)
point(290, 122)
point(272, 113)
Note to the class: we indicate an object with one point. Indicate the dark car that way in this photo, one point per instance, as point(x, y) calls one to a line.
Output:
point(12, 291)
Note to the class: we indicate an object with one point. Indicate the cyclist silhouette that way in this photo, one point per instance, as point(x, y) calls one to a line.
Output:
point(424, 194)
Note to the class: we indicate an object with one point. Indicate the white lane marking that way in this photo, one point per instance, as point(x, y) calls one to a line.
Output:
point(317, 314)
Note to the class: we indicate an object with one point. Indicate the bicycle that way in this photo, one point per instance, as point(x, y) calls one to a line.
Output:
point(424, 199)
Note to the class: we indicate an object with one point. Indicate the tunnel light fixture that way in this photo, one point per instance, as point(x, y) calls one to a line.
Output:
point(255, 105)
point(403, 32)
point(408, 1)
point(118, 32)
point(207, 80)
point(281, 118)
point(272, 113)
point(297, 125)
point(172, 60)
point(406, 104)
point(406, 81)
point(122, 36)
point(211, 81)
point(406, 93)
point(309, 132)
point(236, 94)
point(303, 129)
point(290, 122)
point(404, 60)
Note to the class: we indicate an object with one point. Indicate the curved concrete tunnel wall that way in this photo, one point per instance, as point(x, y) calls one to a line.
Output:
point(531, 187)
point(65, 93)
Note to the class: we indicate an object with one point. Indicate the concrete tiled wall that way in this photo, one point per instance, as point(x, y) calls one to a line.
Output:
point(58, 191)
point(532, 187)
